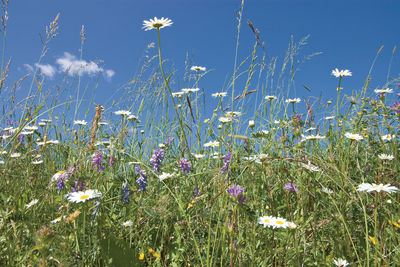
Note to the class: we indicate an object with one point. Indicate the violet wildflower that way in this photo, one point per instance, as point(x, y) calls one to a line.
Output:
point(96, 208)
point(227, 160)
point(111, 161)
point(125, 193)
point(21, 138)
point(236, 191)
point(196, 192)
point(169, 140)
point(142, 180)
point(396, 107)
point(64, 177)
point(185, 165)
point(97, 159)
point(156, 159)
point(291, 187)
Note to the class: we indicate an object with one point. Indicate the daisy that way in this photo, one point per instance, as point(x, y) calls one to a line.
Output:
point(31, 128)
point(270, 97)
point(212, 144)
point(310, 167)
point(26, 132)
point(15, 155)
point(133, 118)
point(233, 113)
point(312, 137)
point(45, 120)
point(80, 122)
point(56, 176)
point(165, 175)
point(294, 100)
point(127, 223)
point(386, 157)
point(224, 119)
point(198, 68)
point(122, 112)
point(103, 123)
point(378, 188)
point(340, 73)
point(190, 90)
point(41, 124)
point(178, 94)
point(222, 94)
point(274, 222)
point(2, 162)
point(56, 220)
point(387, 137)
point(328, 118)
point(156, 23)
point(327, 190)
point(262, 133)
point(30, 204)
point(266, 221)
point(340, 262)
point(198, 156)
point(356, 137)
point(37, 162)
point(82, 196)
point(251, 123)
point(383, 91)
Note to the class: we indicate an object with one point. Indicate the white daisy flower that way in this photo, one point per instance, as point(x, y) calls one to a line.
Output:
point(30, 204)
point(294, 100)
point(133, 118)
point(341, 262)
point(351, 136)
point(56, 220)
point(127, 223)
point(212, 144)
point(26, 132)
point(2, 162)
point(3, 152)
point(274, 222)
point(103, 123)
point(122, 112)
point(270, 97)
point(378, 188)
point(15, 155)
point(222, 94)
point(386, 157)
point(156, 23)
point(8, 129)
point(252, 123)
point(328, 118)
point(31, 128)
point(276, 122)
point(80, 122)
point(341, 73)
point(233, 113)
point(41, 124)
point(178, 94)
point(161, 145)
point(190, 90)
point(198, 68)
point(327, 190)
point(198, 156)
point(45, 120)
point(310, 167)
point(37, 162)
point(165, 175)
point(387, 137)
point(383, 91)
point(5, 136)
point(82, 196)
point(311, 137)
point(224, 119)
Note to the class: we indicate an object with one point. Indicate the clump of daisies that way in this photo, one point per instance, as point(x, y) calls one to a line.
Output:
point(276, 222)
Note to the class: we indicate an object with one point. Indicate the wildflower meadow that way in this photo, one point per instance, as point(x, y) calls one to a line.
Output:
point(161, 177)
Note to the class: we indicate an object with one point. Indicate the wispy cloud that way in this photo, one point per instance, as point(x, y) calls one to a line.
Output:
point(47, 70)
point(71, 65)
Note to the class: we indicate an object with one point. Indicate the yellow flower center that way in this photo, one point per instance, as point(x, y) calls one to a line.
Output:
point(84, 197)
point(266, 220)
point(280, 222)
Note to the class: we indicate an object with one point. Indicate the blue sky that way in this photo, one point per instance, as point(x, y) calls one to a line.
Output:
point(347, 32)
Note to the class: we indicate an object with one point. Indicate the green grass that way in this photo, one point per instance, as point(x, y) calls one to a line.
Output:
point(173, 226)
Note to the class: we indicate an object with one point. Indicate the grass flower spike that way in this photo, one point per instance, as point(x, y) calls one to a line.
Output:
point(156, 23)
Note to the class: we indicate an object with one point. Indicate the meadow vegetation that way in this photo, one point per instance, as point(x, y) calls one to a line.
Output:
point(148, 179)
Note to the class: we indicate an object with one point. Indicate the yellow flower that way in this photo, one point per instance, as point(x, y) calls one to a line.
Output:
point(141, 256)
point(206, 120)
point(395, 224)
point(150, 250)
point(156, 255)
point(373, 240)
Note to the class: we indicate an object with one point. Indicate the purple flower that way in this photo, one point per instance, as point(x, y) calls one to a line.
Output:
point(156, 159)
point(227, 160)
point(21, 138)
point(236, 191)
point(111, 161)
point(125, 193)
point(97, 159)
point(64, 177)
point(169, 140)
point(291, 187)
point(185, 165)
point(196, 192)
point(142, 180)
point(396, 107)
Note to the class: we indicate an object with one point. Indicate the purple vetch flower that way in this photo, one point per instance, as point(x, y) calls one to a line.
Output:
point(125, 193)
point(21, 138)
point(169, 140)
point(227, 160)
point(111, 161)
point(64, 177)
point(96, 207)
point(78, 187)
point(196, 192)
point(185, 165)
point(291, 187)
point(156, 159)
point(396, 107)
point(142, 180)
point(97, 159)
point(236, 191)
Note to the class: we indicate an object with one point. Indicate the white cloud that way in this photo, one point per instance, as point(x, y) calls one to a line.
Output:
point(47, 70)
point(109, 74)
point(28, 67)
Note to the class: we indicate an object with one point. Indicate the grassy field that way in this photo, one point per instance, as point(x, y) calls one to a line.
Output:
point(150, 180)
